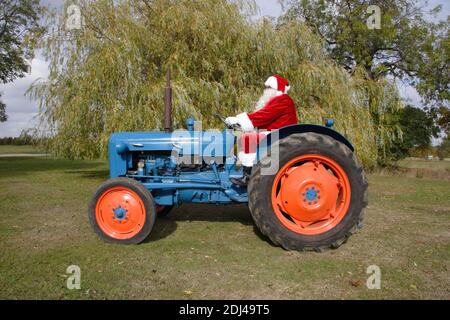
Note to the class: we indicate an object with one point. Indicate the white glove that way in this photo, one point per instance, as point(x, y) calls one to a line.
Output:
point(230, 121)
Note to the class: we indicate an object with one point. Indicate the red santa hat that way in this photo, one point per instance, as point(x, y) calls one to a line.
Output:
point(278, 83)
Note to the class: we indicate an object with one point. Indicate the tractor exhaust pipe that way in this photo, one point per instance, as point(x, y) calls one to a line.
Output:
point(168, 104)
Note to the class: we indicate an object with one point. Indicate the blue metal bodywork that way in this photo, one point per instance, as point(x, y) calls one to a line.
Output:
point(187, 165)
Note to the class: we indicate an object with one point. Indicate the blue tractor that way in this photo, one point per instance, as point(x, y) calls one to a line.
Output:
point(306, 190)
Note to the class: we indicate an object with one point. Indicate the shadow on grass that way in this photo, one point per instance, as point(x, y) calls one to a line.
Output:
point(165, 226)
point(212, 213)
point(90, 174)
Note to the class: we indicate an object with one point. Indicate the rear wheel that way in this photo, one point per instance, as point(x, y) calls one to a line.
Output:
point(122, 210)
point(316, 200)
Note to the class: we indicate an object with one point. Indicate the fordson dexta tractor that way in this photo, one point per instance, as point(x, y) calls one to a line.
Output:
point(306, 191)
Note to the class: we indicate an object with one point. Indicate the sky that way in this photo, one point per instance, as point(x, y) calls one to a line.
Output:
point(22, 111)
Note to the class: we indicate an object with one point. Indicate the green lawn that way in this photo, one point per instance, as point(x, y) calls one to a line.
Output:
point(7, 149)
point(425, 164)
point(212, 252)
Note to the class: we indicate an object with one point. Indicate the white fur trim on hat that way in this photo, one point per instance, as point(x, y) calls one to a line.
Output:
point(247, 159)
point(271, 82)
point(245, 122)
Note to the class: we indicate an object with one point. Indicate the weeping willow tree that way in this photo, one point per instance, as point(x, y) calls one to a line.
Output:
point(109, 75)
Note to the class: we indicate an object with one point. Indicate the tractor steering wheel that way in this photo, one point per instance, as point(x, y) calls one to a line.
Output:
point(236, 126)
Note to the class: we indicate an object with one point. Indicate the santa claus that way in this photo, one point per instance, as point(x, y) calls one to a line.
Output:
point(274, 110)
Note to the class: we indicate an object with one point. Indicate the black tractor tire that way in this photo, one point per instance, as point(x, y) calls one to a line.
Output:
point(260, 190)
point(145, 196)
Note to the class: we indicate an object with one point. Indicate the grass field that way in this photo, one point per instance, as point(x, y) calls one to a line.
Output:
point(7, 149)
point(419, 168)
point(212, 252)
point(414, 163)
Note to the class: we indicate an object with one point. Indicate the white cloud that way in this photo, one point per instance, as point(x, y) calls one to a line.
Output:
point(409, 94)
point(19, 108)
point(445, 8)
point(269, 7)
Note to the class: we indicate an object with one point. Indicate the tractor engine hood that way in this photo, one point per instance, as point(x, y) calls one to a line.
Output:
point(182, 141)
point(123, 142)
point(123, 145)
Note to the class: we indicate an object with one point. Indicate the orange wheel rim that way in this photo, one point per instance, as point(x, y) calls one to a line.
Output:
point(120, 213)
point(311, 194)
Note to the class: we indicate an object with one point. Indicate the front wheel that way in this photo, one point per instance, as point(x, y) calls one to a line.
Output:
point(316, 200)
point(123, 211)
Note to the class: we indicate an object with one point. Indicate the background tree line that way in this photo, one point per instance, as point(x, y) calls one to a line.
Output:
point(22, 140)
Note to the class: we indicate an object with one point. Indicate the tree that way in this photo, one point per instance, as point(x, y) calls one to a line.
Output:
point(441, 115)
point(3, 116)
point(405, 45)
point(19, 31)
point(443, 149)
point(443, 120)
point(109, 76)
point(418, 128)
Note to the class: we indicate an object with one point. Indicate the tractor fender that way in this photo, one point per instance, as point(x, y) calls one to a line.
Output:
point(302, 128)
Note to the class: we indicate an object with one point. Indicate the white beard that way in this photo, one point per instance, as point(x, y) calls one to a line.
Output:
point(268, 94)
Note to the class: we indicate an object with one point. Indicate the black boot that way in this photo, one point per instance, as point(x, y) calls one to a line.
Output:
point(242, 182)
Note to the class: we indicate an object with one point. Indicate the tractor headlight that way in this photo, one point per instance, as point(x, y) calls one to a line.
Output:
point(121, 148)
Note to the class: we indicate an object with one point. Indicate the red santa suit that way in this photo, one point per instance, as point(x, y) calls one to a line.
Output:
point(278, 112)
